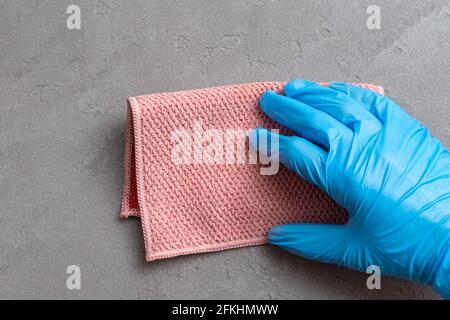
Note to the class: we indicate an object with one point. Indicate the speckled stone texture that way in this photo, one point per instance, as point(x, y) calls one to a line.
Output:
point(62, 127)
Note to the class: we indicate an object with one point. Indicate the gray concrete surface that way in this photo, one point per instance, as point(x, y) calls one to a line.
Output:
point(62, 121)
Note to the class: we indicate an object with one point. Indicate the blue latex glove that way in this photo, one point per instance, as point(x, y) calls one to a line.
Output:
point(378, 163)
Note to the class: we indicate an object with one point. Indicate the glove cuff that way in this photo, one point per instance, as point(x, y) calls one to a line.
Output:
point(441, 281)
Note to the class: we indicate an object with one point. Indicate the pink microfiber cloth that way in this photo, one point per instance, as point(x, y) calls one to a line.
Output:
point(197, 206)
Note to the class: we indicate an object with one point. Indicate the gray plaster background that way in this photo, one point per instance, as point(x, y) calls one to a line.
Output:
point(62, 121)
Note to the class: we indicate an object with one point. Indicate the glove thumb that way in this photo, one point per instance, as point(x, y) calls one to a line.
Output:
point(321, 242)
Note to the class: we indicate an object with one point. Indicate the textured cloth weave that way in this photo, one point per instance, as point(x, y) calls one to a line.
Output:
point(195, 208)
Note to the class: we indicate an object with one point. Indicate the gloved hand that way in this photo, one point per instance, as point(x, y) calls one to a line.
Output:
point(378, 163)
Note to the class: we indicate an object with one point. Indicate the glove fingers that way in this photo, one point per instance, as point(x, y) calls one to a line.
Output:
point(379, 105)
point(321, 242)
point(315, 125)
point(340, 106)
point(298, 154)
